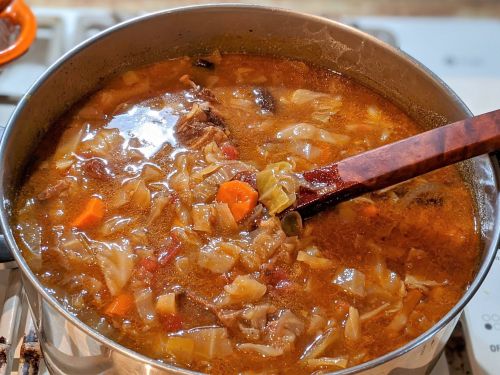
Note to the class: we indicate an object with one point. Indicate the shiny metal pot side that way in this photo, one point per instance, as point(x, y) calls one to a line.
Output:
point(230, 28)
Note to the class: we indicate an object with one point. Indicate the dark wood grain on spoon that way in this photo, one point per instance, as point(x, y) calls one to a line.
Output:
point(399, 161)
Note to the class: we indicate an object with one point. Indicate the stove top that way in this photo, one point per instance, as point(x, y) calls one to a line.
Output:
point(463, 52)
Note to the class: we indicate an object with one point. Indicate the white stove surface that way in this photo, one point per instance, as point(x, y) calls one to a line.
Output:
point(465, 53)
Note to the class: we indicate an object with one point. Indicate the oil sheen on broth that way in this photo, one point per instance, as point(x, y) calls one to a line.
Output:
point(154, 219)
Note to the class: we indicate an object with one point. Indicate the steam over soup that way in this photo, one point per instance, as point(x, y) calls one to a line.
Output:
point(156, 219)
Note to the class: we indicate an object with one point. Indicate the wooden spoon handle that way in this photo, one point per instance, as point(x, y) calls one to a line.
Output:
point(399, 161)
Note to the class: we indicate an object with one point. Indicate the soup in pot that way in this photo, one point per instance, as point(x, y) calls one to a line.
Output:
point(155, 212)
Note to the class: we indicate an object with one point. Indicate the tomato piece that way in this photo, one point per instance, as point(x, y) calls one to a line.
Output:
point(229, 151)
point(171, 249)
point(149, 265)
point(275, 276)
point(171, 322)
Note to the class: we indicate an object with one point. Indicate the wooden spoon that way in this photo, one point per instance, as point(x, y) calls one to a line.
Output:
point(399, 161)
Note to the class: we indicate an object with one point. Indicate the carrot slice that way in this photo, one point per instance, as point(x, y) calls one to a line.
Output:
point(239, 196)
point(91, 214)
point(370, 210)
point(120, 306)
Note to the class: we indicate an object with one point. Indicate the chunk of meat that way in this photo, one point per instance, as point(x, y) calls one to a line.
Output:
point(96, 169)
point(281, 333)
point(201, 92)
point(215, 117)
point(251, 320)
point(285, 329)
point(54, 190)
point(201, 126)
point(264, 99)
point(256, 316)
point(207, 95)
point(209, 134)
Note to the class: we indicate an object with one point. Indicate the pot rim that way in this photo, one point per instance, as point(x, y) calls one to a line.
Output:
point(488, 255)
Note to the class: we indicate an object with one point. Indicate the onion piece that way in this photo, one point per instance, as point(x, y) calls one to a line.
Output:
point(340, 362)
point(202, 218)
point(370, 314)
point(399, 321)
point(321, 344)
point(218, 257)
point(115, 224)
point(242, 289)
point(116, 262)
point(314, 259)
point(210, 342)
point(352, 331)
point(304, 131)
point(351, 281)
point(263, 350)
point(225, 220)
point(67, 146)
point(413, 282)
point(160, 201)
point(165, 304)
point(180, 180)
point(302, 96)
point(144, 304)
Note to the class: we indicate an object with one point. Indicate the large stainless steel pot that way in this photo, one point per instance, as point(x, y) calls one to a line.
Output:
point(70, 347)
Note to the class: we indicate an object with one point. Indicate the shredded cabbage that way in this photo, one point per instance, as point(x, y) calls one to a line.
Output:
point(277, 187)
point(340, 362)
point(310, 132)
point(351, 281)
point(320, 344)
point(352, 330)
point(116, 262)
point(242, 289)
point(302, 96)
point(314, 259)
point(144, 304)
point(219, 257)
point(263, 350)
point(210, 342)
point(413, 282)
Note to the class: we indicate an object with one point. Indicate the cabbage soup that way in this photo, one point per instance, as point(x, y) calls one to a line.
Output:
point(154, 212)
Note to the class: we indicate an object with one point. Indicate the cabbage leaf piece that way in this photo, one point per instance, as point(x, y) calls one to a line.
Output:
point(277, 187)
point(116, 262)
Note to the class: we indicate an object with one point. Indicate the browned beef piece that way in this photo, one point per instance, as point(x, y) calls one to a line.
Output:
point(210, 133)
point(96, 169)
point(54, 190)
point(207, 95)
point(200, 126)
point(264, 99)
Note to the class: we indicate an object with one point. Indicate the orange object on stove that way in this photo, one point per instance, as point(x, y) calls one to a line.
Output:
point(15, 17)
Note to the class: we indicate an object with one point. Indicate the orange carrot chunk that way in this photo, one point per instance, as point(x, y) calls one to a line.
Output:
point(370, 211)
point(91, 214)
point(120, 306)
point(239, 196)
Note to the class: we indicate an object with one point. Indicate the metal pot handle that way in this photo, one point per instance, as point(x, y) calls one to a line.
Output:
point(6, 258)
